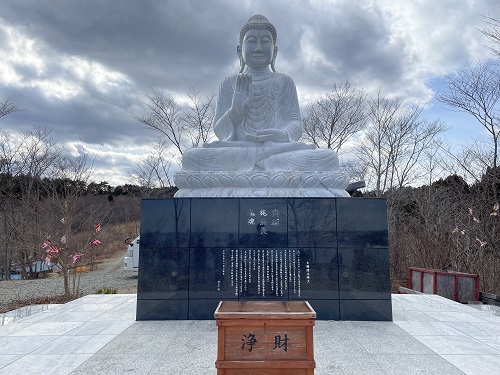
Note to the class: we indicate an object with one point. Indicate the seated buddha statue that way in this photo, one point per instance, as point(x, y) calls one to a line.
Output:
point(258, 125)
point(257, 118)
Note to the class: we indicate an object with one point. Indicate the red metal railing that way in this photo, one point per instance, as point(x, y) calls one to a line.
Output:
point(461, 287)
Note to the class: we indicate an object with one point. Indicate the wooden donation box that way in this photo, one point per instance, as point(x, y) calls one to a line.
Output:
point(271, 337)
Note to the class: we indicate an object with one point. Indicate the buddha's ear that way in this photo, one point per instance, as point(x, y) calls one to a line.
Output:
point(240, 55)
point(274, 58)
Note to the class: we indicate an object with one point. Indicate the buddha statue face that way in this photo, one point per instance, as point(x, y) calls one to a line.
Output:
point(257, 47)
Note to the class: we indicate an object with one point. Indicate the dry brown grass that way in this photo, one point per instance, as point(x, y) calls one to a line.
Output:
point(113, 238)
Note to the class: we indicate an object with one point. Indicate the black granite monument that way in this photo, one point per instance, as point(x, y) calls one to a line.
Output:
point(332, 252)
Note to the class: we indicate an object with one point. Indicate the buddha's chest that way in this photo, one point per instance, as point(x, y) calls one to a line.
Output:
point(264, 100)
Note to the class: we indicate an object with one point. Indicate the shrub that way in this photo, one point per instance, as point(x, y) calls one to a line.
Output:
point(107, 290)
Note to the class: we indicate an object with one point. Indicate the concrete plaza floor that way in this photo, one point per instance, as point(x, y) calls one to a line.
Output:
point(98, 334)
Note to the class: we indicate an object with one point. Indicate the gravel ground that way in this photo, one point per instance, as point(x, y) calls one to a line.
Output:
point(108, 274)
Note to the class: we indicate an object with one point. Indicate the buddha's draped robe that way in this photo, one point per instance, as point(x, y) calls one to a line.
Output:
point(275, 106)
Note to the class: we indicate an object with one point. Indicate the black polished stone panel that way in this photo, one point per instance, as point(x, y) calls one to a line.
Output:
point(214, 223)
point(312, 222)
point(326, 309)
point(362, 222)
point(167, 275)
point(364, 273)
point(372, 310)
point(165, 223)
point(263, 223)
point(203, 309)
point(210, 273)
point(162, 309)
point(319, 276)
point(196, 252)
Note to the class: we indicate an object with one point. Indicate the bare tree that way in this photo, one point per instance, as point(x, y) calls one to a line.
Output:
point(475, 90)
point(70, 219)
point(394, 142)
point(26, 158)
point(8, 106)
point(163, 115)
point(354, 170)
point(8, 168)
point(492, 32)
point(166, 116)
point(476, 246)
point(154, 171)
point(335, 117)
point(470, 160)
point(7, 162)
point(174, 124)
point(38, 153)
point(198, 118)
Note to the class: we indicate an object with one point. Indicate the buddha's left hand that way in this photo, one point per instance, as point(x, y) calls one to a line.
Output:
point(264, 135)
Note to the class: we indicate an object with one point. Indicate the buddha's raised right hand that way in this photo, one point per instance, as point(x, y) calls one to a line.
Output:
point(242, 98)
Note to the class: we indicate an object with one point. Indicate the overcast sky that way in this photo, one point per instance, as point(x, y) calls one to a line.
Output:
point(81, 67)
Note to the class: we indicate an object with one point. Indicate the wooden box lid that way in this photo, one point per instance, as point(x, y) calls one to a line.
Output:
point(264, 310)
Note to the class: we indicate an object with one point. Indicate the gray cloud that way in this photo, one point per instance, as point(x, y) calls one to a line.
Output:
point(156, 43)
point(81, 67)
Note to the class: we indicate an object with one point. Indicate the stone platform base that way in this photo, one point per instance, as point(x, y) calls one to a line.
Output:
point(261, 184)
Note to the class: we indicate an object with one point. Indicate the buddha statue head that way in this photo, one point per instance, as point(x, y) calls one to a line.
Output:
point(257, 48)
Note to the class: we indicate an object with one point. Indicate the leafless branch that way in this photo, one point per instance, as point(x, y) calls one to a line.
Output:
point(394, 142)
point(198, 119)
point(163, 116)
point(8, 106)
point(492, 33)
point(335, 117)
point(475, 90)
